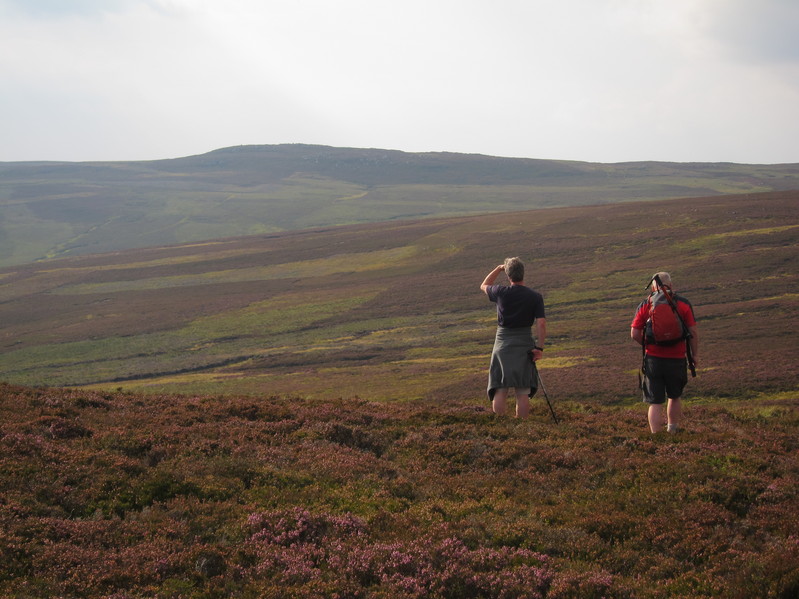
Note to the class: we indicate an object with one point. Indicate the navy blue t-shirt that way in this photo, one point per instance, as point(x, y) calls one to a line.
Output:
point(517, 305)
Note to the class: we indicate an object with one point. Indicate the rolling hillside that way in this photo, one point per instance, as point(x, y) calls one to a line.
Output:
point(50, 209)
point(302, 414)
point(393, 310)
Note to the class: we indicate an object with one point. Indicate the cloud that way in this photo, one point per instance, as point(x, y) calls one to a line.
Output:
point(600, 80)
point(58, 9)
point(759, 32)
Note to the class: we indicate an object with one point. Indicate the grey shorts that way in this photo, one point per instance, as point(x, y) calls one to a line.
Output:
point(664, 378)
point(510, 362)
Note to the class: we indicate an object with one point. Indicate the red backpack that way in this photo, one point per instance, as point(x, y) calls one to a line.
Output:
point(664, 325)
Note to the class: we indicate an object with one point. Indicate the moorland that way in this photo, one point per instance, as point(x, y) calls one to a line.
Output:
point(393, 310)
point(303, 414)
point(119, 495)
point(60, 209)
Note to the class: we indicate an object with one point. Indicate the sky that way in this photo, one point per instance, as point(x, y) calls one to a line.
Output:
point(590, 80)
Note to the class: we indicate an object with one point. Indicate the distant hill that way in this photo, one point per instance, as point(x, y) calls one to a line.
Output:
point(56, 209)
point(393, 310)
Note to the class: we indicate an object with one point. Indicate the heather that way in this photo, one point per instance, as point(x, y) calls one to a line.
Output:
point(119, 495)
point(304, 415)
point(394, 311)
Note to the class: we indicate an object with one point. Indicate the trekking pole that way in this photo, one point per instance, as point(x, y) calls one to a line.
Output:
point(546, 396)
point(690, 357)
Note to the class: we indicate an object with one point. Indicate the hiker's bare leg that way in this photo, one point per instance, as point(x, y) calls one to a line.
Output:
point(656, 420)
point(674, 412)
point(522, 402)
point(500, 401)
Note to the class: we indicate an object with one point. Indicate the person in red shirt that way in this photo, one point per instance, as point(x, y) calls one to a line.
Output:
point(665, 366)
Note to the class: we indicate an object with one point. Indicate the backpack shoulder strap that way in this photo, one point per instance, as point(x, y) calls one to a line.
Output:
point(647, 301)
point(685, 301)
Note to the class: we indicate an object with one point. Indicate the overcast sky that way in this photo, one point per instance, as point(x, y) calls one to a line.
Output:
point(593, 80)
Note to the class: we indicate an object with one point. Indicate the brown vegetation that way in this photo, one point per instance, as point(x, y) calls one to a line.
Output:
point(285, 478)
point(120, 495)
point(394, 311)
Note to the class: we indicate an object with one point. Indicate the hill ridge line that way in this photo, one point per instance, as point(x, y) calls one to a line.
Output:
point(58, 209)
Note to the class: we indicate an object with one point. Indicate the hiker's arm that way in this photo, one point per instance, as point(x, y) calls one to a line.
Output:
point(491, 277)
point(540, 337)
point(637, 335)
point(694, 341)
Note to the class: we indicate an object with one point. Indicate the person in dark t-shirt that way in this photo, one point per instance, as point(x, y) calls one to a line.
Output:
point(519, 308)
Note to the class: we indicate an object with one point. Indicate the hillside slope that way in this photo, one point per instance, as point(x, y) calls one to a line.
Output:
point(50, 209)
point(394, 311)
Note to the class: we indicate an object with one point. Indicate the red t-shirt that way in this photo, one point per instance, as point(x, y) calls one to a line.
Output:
point(686, 312)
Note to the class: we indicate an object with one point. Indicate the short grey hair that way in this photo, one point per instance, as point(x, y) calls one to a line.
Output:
point(514, 268)
point(665, 278)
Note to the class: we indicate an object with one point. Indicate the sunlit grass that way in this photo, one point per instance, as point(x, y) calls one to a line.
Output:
point(398, 312)
point(122, 357)
point(339, 263)
point(719, 239)
point(166, 261)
